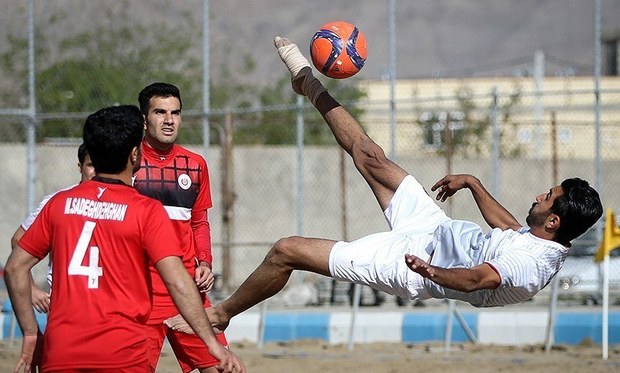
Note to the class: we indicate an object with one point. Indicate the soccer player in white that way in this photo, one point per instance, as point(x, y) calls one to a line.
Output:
point(40, 298)
point(425, 254)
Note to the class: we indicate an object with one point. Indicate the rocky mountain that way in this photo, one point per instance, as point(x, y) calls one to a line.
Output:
point(433, 37)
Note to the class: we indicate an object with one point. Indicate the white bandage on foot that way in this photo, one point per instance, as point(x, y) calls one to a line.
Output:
point(304, 83)
point(292, 57)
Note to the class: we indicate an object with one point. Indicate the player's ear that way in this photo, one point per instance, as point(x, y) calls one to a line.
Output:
point(144, 118)
point(135, 152)
point(553, 222)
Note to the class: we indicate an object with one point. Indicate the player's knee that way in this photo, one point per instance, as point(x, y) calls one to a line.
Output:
point(370, 156)
point(284, 252)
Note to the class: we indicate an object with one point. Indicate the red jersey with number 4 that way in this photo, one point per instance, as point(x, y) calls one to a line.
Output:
point(102, 235)
point(179, 179)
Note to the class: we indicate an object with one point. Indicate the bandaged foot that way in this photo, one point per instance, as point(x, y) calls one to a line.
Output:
point(304, 83)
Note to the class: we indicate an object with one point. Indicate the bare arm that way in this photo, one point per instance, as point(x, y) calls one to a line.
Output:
point(467, 280)
point(493, 213)
point(18, 282)
point(187, 299)
point(40, 298)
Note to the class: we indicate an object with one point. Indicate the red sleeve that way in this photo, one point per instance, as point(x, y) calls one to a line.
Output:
point(203, 201)
point(200, 220)
point(202, 236)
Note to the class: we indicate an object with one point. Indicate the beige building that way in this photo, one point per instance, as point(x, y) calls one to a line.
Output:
point(525, 114)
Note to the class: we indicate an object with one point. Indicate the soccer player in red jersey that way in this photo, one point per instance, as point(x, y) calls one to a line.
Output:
point(103, 234)
point(179, 179)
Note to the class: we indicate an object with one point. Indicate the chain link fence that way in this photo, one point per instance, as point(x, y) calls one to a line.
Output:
point(274, 172)
point(262, 193)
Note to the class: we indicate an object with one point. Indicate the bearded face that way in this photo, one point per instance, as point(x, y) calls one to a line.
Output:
point(536, 218)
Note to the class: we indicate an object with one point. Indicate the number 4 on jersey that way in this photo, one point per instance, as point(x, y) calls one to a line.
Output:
point(92, 270)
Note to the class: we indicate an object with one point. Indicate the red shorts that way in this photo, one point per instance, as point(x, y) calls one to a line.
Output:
point(189, 349)
point(139, 368)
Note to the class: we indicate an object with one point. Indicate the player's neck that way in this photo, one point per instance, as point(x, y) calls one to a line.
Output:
point(157, 146)
point(541, 232)
point(124, 176)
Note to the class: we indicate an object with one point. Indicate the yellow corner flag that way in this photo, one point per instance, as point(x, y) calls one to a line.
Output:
point(611, 237)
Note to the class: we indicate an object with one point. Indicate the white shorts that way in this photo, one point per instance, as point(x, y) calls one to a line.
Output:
point(378, 260)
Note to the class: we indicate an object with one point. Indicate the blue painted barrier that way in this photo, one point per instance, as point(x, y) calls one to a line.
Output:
point(406, 327)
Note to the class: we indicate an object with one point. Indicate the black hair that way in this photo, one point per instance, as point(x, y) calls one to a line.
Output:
point(110, 134)
point(82, 153)
point(579, 208)
point(158, 89)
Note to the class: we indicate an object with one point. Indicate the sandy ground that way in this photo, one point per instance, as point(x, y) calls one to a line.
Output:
point(316, 356)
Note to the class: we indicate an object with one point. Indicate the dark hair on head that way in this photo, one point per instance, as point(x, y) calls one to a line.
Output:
point(158, 89)
point(579, 208)
point(82, 153)
point(110, 134)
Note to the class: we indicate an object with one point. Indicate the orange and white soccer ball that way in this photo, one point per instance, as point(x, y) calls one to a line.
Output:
point(338, 50)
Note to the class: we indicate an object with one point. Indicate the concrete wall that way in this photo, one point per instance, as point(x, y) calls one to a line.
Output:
point(266, 205)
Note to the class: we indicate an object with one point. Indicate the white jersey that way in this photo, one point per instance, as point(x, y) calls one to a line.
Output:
point(525, 263)
point(27, 222)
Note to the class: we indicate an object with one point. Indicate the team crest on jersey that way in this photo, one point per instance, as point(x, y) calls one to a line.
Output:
point(184, 181)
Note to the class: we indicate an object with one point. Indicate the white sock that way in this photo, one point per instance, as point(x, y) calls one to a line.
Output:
point(304, 83)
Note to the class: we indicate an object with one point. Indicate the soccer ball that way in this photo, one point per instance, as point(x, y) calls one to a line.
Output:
point(338, 50)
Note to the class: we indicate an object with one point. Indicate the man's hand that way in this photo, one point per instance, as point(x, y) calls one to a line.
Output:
point(31, 354)
point(204, 277)
point(492, 211)
point(419, 266)
point(40, 299)
point(482, 276)
point(229, 362)
point(449, 185)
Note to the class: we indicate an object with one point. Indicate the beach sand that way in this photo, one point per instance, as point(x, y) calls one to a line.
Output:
point(313, 356)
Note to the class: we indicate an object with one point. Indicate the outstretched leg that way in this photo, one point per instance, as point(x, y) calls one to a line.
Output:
point(288, 254)
point(382, 175)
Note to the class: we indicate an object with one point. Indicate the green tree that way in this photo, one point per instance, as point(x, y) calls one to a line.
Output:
point(100, 67)
point(108, 65)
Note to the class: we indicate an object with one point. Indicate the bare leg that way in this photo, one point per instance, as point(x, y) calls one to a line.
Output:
point(288, 254)
point(382, 175)
point(178, 324)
